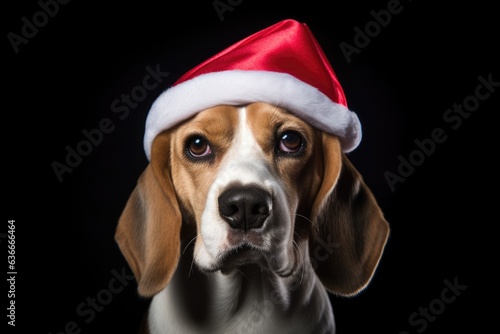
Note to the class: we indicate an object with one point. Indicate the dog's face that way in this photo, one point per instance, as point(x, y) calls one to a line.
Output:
point(243, 175)
point(256, 185)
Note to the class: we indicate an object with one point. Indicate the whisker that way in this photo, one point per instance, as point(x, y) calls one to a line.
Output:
point(304, 217)
point(303, 256)
point(189, 243)
point(192, 260)
point(309, 220)
point(191, 268)
point(241, 272)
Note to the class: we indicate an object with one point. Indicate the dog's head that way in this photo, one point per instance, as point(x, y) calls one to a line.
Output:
point(257, 185)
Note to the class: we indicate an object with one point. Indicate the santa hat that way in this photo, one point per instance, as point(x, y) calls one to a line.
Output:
point(282, 65)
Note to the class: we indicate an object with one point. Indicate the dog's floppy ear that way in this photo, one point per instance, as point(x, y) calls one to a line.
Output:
point(348, 225)
point(148, 231)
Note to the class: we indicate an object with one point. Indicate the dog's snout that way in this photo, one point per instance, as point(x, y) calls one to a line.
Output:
point(245, 207)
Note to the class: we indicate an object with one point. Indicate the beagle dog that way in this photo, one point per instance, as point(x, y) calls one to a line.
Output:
point(244, 220)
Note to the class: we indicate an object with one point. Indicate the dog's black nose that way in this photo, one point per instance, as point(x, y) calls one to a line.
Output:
point(245, 207)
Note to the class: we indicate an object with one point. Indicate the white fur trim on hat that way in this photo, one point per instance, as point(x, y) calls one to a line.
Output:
point(238, 87)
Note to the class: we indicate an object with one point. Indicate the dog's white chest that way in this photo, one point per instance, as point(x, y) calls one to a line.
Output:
point(259, 310)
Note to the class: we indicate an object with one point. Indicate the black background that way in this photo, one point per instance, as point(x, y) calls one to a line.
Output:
point(427, 59)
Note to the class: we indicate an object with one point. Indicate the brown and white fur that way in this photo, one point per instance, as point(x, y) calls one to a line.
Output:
point(244, 220)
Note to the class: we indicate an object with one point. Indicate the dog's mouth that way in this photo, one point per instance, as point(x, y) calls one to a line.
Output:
point(240, 256)
point(249, 258)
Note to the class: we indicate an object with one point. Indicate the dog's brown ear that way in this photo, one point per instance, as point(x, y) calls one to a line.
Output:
point(148, 231)
point(349, 232)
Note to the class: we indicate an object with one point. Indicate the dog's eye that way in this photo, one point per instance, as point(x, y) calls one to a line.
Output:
point(198, 147)
point(290, 142)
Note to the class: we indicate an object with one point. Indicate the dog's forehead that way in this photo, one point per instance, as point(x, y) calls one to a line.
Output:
point(255, 112)
point(219, 119)
point(258, 117)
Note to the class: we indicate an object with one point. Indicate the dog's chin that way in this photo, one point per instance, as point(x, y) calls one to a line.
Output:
point(247, 259)
point(239, 258)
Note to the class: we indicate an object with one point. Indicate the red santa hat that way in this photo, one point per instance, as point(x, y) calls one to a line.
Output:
point(282, 64)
